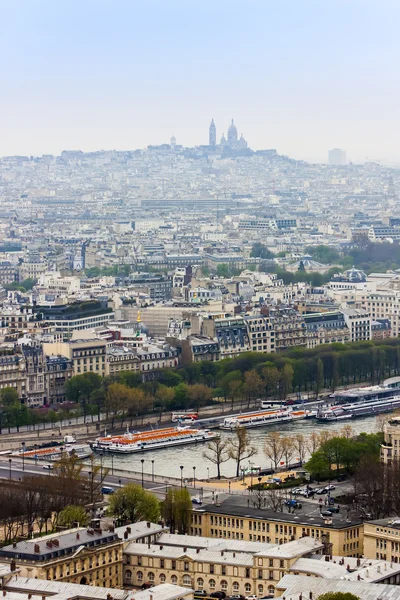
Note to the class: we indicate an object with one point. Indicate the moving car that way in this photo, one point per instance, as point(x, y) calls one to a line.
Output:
point(48, 467)
point(107, 490)
point(220, 595)
point(196, 501)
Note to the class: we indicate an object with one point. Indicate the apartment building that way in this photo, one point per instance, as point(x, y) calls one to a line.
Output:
point(390, 447)
point(261, 333)
point(231, 334)
point(359, 324)
point(290, 329)
point(12, 371)
point(87, 355)
point(326, 328)
point(7, 272)
point(382, 539)
point(59, 370)
point(82, 556)
point(231, 521)
point(214, 565)
point(77, 316)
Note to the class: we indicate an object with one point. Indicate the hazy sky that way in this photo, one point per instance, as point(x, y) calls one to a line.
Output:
point(301, 76)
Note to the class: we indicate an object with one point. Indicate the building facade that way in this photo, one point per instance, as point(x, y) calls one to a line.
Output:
point(83, 556)
point(257, 525)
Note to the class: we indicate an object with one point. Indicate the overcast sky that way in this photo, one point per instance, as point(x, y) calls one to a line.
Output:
point(301, 76)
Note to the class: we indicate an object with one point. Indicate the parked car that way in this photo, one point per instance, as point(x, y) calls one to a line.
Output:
point(48, 467)
point(252, 597)
point(107, 490)
point(293, 503)
point(326, 513)
point(147, 585)
point(237, 597)
point(200, 593)
point(220, 595)
point(330, 487)
point(333, 509)
point(321, 491)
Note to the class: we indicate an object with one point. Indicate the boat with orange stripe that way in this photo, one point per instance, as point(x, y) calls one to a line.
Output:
point(155, 439)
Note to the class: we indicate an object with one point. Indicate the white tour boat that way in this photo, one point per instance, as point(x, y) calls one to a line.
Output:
point(129, 443)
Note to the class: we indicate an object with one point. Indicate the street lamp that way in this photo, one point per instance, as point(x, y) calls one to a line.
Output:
point(101, 466)
point(142, 461)
point(194, 477)
point(152, 470)
point(36, 456)
point(251, 474)
point(9, 461)
point(208, 473)
point(91, 488)
point(23, 444)
point(181, 468)
point(112, 463)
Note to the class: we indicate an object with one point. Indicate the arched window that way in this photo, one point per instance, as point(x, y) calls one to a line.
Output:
point(235, 586)
point(186, 580)
point(128, 574)
point(200, 583)
point(139, 575)
point(151, 577)
point(162, 577)
point(247, 588)
point(211, 583)
point(174, 579)
point(224, 585)
point(271, 590)
point(260, 589)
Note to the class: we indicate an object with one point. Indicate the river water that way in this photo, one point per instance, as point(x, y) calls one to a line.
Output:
point(167, 462)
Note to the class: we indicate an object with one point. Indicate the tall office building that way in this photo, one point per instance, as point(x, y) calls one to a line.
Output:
point(212, 134)
point(337, 157)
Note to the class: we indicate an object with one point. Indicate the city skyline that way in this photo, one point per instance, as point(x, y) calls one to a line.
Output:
point(301, 79)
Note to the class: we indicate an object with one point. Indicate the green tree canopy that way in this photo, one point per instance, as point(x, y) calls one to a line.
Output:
point(132, 503)
point(261, 251)
point(73, 514)
point(177, 510)
point(338, 596)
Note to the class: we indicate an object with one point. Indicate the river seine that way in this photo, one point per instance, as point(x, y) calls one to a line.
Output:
point(167, 462)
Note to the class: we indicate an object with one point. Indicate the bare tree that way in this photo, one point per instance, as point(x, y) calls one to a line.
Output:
point(288, 449)
point(275, 499)
point(273, 447)
point(381, 421)
point(300, 446)
point(253, 385)
point(346, 431)
point(313, 442)
point(240, 448)
point(217, 452)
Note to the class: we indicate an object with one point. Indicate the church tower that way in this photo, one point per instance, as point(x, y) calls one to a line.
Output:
point(212, 134)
